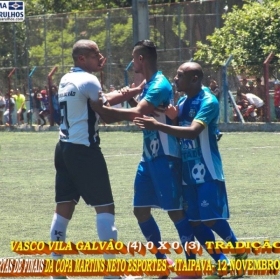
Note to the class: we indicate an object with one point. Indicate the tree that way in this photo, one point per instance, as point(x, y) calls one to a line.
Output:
point(249, 34)
point(39, 7)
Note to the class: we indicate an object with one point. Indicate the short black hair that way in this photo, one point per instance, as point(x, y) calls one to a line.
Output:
point(146, 48)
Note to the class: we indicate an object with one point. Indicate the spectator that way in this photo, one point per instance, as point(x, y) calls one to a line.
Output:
point(36, 107)
point(214, 88)
point(277, 99)
point(55, 103)
point(45, 106)
point(253, 105)
point(243, 87)
point(20, 104)
point(2, 108)
point(259, 89)
point(251, 87)
point(9, 109)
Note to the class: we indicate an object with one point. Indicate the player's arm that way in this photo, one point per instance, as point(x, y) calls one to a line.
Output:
point(107, 118)
point(132, 102)
point(124, 94)
point(118, 114)
point(190, 132)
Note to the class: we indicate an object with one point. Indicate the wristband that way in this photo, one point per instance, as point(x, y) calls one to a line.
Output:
point(104, 99)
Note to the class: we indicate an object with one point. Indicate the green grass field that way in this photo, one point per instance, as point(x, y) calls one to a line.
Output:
point(251, 165)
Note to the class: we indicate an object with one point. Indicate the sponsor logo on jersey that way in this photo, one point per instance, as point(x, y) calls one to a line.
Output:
point(204, 203)
point(192, 112)
point(69, 93)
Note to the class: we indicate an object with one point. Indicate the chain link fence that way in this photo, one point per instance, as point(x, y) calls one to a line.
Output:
point(43, 42)
point(48, 40)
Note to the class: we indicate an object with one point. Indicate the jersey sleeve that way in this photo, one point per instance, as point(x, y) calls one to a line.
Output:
point(208, 111)
point(155, 96)
point(159, 92)
point(91, 88)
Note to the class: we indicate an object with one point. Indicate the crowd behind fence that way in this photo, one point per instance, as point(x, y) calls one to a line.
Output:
point(175, 29)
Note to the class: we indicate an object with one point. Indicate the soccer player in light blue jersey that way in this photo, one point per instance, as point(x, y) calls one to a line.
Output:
point(203, 179)
point(158, 178)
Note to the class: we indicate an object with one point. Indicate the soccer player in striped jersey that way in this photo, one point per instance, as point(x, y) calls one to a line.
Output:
point(158, 178)
point(203, 179)
point(81, 169)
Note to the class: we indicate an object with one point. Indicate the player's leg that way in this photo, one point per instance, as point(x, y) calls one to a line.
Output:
point(91, 178)
point(214, 210)
point(61, 218)
point(167, 180)
point(66, 198)
point(105, 224)
point(193, 204)
point(149, 227)
point(144, 199)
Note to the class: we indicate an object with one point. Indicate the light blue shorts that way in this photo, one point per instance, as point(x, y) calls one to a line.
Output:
point(206, 201)
point(158, 184)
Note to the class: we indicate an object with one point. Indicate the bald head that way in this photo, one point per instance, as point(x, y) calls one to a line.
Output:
point(84, 47)
point(189, 78)
point(193, 69)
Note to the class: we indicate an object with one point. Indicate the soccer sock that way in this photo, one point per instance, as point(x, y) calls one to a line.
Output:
point(106, 229)
point(58, 231)
point(204, 234)
point(185, 232)
point(222, 228)
point(151, 232)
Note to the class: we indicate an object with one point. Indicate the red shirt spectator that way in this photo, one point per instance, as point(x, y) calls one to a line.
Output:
point(277, 99)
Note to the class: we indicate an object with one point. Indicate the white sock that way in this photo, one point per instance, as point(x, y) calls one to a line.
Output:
point(58, 231)
point(106, 230)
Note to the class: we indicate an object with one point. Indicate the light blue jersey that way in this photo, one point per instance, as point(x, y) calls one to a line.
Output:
point(158, 91)
point(200, 157)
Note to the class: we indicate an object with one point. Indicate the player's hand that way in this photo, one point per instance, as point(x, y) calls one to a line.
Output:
point(172, 111)
point(141, 86)
point(146, 122)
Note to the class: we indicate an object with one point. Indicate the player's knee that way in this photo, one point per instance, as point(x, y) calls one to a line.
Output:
point(142, 214)
point(65, 209)
point(195, 224)
point(105, 209)
point(209, 223)
point(177, 215)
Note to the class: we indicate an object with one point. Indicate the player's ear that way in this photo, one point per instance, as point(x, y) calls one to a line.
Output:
point(81, 57)
point(195, 79)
